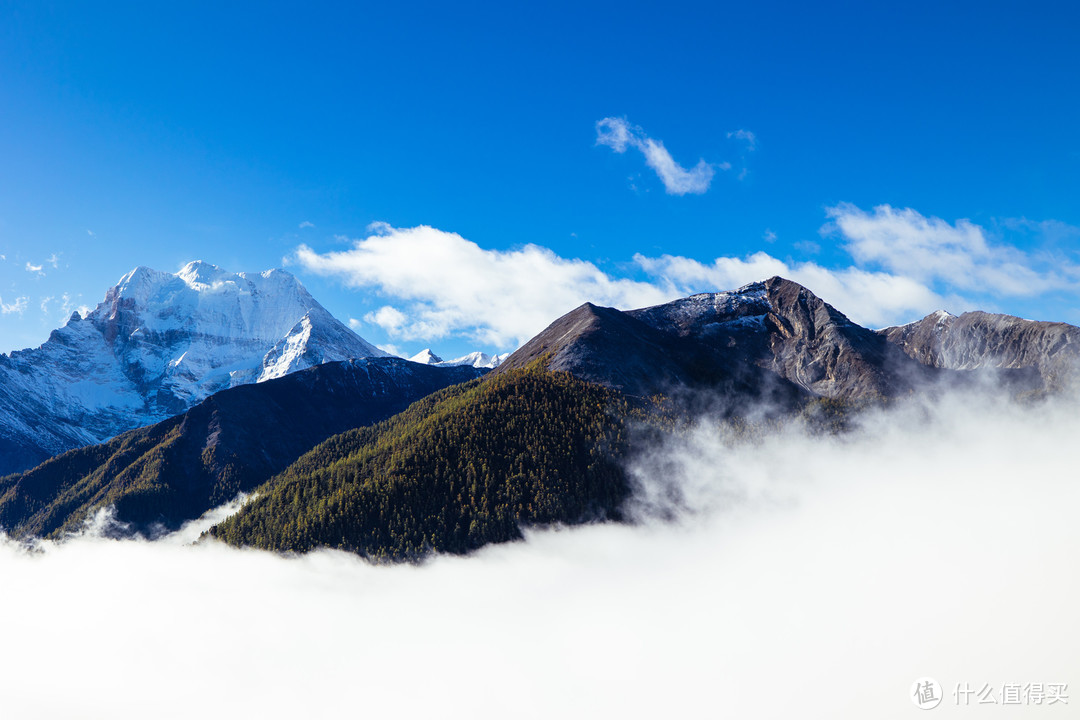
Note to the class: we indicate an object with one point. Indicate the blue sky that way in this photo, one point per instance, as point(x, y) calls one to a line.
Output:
point(454, 175)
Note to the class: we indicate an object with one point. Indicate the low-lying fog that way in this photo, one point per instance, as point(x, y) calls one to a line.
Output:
point(806, 577)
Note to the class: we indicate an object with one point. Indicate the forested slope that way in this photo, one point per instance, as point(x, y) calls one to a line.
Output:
point(467, 466)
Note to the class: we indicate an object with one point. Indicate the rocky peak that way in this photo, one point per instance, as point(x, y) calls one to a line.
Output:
point(981, 340)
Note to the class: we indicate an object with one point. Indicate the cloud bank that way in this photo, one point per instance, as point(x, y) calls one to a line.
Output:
point(806, 577)
point(618, 134)
point(904, 266)
point(451, 285)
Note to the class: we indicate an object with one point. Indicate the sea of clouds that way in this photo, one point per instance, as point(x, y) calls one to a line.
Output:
point(793, 576)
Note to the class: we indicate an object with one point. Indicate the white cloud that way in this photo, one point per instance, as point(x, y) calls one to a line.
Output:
point(746, 136)
point(618, 134)
point(17, 307)
point(929, 250)
point(45, 304)
point(36, 269)
point(389, 319)
point(306, 224)
point(448, 284)
point(53, 260)
point(905, 266)
point(1052, 231)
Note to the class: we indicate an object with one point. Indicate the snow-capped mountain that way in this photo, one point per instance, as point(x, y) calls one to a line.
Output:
point(426, 357)
point(158, 344)
point(474, 359)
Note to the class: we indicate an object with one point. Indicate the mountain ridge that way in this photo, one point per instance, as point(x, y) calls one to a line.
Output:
point(979, 340)
point(476, 462)
point(232, 441)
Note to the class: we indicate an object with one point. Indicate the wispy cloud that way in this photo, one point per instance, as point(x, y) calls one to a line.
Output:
point(746, 136)
point(618, 134)
point(53, 260)
point(931, 250)
point(306, 224)
point(1053, 231)
point(749, 142)
point(35, 269)
point(17, 307)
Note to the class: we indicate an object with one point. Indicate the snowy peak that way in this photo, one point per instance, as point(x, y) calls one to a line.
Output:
point(474, 359)
point(157, 344)
point(203, 274)
point(426, 357)
point(747, 304)
point(207, 299)
point(315, 339)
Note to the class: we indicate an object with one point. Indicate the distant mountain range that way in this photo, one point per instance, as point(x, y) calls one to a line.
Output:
point(475, 359)
point(541, 438)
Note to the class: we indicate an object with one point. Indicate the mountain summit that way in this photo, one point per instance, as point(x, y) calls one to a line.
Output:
point(771, 340)
point(158, 344)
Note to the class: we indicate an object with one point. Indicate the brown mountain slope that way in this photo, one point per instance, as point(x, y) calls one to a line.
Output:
point(773, 339)
point(1045, 353)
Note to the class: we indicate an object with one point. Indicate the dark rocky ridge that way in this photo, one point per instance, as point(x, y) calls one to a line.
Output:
point(175, 470)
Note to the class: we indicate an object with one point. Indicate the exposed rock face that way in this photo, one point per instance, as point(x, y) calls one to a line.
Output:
point(159, 343)
point(780, 326)
point(609, 347)
point(772, 339)
point(982, 341)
